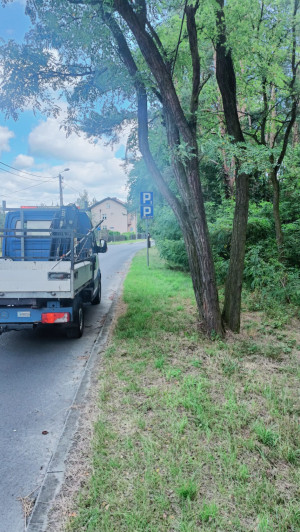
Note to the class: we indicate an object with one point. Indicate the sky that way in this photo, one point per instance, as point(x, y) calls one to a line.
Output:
point(35, 144)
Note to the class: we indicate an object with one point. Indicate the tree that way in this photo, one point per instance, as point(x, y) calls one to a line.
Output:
point(263, 111)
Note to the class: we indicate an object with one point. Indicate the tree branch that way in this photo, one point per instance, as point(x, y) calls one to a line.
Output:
point(158, 68)
point(226, 78)
point(129, 62)
point(265, 113)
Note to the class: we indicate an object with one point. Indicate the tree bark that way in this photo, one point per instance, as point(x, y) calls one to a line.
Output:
point(276, 213)
point(227, 83)
point(234, 281)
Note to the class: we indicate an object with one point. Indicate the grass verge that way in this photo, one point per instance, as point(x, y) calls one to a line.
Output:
point(193, 435)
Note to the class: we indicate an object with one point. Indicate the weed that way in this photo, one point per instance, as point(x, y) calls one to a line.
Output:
point(208, 512)
point(159, 363)
point(243, 473)
point(273, 352)
point(293, 456)
point(264, 524)
point(246, 348)
point(196, 363)
point(182, 424)
point(173, 373)
point(229, 367)
point(188, 490)
point(266, 436)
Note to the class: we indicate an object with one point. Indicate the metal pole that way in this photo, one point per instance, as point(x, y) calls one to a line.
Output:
point(136, 227)
point(147, 242)
point(60, 190)
point(22, 235)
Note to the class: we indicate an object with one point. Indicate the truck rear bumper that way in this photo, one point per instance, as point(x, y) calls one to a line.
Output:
point(17, 316)
point(16, 327)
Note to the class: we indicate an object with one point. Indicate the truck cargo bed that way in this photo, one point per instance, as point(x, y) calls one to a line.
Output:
point(38, 279)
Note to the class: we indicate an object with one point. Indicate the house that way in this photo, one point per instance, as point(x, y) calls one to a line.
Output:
point(114, 214)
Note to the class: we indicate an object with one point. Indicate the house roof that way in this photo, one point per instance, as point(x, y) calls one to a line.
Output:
point(116, 200)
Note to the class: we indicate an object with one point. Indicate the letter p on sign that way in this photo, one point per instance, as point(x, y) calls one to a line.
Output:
point(146, 211)
point(146, 198)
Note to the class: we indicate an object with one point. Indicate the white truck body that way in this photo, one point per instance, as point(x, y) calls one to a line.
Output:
point(30, 279)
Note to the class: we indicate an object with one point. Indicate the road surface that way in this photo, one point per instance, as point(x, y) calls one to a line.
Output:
point(40, 372)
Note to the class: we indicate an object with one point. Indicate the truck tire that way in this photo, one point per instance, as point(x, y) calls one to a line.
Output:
point(76, 330)
point(96, 300)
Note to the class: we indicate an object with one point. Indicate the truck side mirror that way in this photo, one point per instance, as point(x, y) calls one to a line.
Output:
point(103, 247)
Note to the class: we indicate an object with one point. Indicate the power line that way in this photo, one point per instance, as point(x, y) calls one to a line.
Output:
point(26, 188)
point(28, 173)
point(18, 175)
point(75, 190)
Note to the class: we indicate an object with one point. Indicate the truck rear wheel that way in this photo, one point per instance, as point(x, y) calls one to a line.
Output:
point(76, 330)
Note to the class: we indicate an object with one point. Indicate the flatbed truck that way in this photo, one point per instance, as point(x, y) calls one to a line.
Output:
point(49, 267)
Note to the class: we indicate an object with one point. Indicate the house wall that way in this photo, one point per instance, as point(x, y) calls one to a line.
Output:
point(115, 215)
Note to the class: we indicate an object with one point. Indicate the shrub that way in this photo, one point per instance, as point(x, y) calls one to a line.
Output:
point(174, 253)
point(270, 278)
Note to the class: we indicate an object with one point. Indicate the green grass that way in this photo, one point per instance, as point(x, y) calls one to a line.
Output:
point(193, 435)
point(126, 242)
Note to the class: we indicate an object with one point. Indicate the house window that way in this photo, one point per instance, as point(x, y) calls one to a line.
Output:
point(104, 216)
point(108, 205)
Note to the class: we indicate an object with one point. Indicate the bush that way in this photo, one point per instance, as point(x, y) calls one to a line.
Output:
point(291, 233)
point(264, 274)
point(270, 279)
point(174, 253)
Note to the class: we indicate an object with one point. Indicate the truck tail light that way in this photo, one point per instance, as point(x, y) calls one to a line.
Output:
point(55, 317)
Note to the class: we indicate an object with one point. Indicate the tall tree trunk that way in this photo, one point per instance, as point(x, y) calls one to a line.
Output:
point(276, 213)
point(227, 83)
point(295, 140)
point(234, 280)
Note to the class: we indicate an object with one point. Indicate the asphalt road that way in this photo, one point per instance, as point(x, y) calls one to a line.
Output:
point(40, 372)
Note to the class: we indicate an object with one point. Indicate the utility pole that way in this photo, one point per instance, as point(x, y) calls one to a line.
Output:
point(60, 178)
point(60, 190)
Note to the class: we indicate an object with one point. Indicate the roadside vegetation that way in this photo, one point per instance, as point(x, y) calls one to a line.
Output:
point(194, 434)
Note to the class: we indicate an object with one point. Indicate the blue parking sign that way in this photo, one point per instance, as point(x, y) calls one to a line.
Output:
point(146, 211)
point(146, 200)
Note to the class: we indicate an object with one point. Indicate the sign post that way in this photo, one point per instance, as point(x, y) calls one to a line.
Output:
point(146, 205)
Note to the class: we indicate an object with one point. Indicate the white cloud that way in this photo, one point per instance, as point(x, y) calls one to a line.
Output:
point(93, 167)
point(48, 140)
point(23, 161)
point(5, 136)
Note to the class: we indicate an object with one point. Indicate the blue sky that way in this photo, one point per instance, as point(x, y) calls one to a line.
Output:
point(36, 144)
